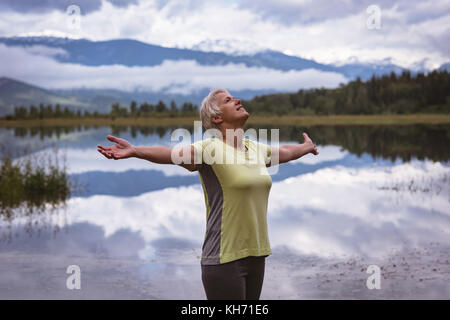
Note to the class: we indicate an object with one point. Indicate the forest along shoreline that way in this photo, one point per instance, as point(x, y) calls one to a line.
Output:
point(384, 119)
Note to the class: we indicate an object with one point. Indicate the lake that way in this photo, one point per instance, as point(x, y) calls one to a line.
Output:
point(375, 195)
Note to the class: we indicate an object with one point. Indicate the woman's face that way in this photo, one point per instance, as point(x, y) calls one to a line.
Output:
point(232, 110)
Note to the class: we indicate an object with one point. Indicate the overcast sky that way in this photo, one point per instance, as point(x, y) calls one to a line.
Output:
point(407, 33)
point(410, 32)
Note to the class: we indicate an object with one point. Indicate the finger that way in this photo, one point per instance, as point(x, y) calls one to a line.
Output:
point(106, 154)
point(306, 136)
point(113, 139)
point(104, 148)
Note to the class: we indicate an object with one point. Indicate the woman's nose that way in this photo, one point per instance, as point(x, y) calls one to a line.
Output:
point(238, 101)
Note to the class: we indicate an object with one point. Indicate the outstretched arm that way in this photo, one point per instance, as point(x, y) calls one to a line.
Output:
point(157, 154)
point(287, 152)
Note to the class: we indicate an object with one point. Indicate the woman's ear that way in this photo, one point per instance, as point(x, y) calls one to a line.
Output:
point(217, 119)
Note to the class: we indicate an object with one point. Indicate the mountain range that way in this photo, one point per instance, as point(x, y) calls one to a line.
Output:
point(130, 52)
point(133, 53)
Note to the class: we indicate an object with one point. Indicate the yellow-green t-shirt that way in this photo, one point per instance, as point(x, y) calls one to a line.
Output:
point(236, 187)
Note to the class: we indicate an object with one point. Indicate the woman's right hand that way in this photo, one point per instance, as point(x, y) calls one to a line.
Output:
point(121, 150)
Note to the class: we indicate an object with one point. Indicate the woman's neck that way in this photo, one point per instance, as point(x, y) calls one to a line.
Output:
point(234, 138)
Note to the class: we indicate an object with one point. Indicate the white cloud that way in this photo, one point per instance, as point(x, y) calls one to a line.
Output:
point(331, 212)
point(184, 75)
point(336, 211)
point(39, 50)
point(324, 31)
point(171, 212)
point(84, 160)
point(79, 160)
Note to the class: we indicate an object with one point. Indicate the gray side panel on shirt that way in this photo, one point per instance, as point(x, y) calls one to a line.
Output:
point(211, 245)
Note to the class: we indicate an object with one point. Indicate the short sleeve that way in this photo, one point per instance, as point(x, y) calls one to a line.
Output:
point(266, 151)
point(198, 154)
point(199, 147)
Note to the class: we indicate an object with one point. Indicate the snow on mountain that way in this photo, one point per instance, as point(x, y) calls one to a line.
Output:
point(231, 47)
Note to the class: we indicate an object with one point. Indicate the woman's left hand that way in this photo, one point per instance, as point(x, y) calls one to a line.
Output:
point(310, 144)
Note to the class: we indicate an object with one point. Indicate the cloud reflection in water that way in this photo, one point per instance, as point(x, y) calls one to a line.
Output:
point(331, 212)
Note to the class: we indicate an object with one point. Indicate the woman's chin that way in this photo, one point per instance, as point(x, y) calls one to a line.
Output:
point(245, 115)
point(242, 118)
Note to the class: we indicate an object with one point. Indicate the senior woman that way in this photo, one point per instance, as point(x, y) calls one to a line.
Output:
point(236, 185)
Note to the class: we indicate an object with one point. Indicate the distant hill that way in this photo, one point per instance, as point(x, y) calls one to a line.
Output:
point(445, 66)
point(16, 93)
point(389, 94)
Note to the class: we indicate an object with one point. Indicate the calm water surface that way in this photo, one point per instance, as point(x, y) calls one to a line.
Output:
point(374, 196)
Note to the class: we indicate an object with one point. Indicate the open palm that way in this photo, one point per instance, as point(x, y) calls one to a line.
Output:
point(121, 150)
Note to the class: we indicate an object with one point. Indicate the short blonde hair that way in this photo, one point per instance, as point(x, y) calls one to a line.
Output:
point(210, 108)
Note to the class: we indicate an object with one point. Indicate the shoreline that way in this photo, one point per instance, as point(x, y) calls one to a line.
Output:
point(412, 272)
point(277, 120)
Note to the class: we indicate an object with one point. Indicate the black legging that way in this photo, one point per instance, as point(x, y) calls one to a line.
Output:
point(236, 280)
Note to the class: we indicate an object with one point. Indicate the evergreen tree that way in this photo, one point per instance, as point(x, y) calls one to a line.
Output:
point(161, 107)
point(34, 113)
point(133, 108)
point(173, 109)
point(58, 112)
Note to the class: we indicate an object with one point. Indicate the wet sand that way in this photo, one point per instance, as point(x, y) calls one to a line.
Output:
point(415, 273)
point(410, 274)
